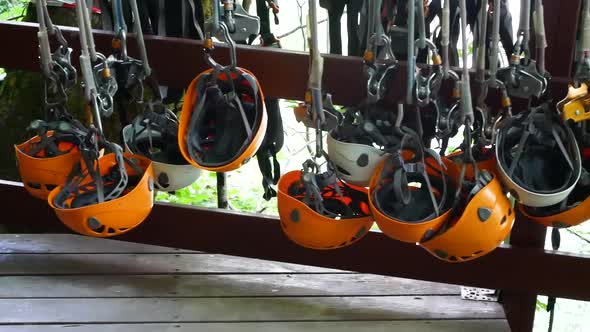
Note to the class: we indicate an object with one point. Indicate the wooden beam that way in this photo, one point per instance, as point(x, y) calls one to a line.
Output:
point(515, 269)
point(561, 26)
point(176, 61)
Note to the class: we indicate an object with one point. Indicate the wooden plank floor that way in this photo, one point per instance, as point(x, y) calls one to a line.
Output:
point(51, 282)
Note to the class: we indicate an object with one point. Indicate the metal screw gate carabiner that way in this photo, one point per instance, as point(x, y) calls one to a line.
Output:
point(60, 74)
point(379, 63)
point(379, 69)
point(428, 86)
point(522, 78)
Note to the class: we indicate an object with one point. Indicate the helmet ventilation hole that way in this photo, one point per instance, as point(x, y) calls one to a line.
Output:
point(342, 171)
point(363, 160)
point(428, 235)
point(94, 224)
point(294, 216)
point(503, 221)
point(34, 185)
point(100, 229)
point(484, 214)
point(441, 254)
point(163, 180)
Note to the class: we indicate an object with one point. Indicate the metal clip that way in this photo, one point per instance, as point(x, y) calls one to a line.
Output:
point(106, 86)
point(522, 83)
point(331, 117)
point(447, 121)
point(379, 66)
point(576, 106)
point(576, 110)
point(240, 24)
point(427, 87)
point(232, 50)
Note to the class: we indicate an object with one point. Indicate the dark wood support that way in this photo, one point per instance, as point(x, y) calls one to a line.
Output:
point(520, 306)
point(177, 61)
point(561, 26)
point(222, 201)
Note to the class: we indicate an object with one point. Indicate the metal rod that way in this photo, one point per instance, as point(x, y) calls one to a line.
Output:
point(481, 48)
point(222, 200)
point(421, 25)
point(446, 27)
point(525, 24)
point(411, 55)
point(465, 85)
point(540, 41)
point(495, 41)
point(139, 36)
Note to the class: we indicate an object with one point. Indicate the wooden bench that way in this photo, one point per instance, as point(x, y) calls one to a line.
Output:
point(50, 281)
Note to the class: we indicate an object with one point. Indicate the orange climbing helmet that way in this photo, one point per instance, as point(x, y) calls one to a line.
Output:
point(485, 222)
point(223, 120)
point(45, 160)
point(318, 211)
point(485, 159)
point(105, 196)
point(408, 193)
point(482, 216)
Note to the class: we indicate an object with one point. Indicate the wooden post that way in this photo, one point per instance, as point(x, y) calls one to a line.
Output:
point(222, 201)
point(520, 306)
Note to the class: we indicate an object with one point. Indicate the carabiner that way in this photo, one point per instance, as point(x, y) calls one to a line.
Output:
point(380, 71)
point(427, 87)
point(232, 50)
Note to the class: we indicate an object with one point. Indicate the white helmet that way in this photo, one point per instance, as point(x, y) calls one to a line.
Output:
point(154, 135)
point(357, 146)
point(354, 163)
point(539, 161)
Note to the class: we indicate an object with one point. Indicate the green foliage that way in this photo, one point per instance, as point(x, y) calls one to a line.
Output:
point(541, 306)
point(202, 193)
point(291, 103)
point(12, 9)
point(244, 192)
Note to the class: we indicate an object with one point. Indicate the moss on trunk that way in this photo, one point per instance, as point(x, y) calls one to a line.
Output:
point(21, 100)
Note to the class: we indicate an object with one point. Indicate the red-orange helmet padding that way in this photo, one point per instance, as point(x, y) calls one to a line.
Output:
point(318, 211)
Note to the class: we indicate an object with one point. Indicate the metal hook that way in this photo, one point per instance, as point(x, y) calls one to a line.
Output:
point(436, 59)
point(232, 50)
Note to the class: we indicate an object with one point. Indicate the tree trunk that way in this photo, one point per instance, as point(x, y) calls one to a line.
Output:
point(21, 99)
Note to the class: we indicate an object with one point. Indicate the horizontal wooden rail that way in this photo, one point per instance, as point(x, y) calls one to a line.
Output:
point(217, 231)
point(282, 73)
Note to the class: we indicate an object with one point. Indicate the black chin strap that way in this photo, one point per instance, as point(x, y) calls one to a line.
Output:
point(269, 178)
point(415, 166)
point(213, 99)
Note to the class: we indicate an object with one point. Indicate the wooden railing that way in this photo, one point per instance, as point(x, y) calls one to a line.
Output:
point(521, 270)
